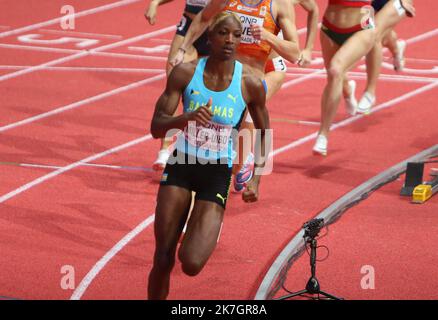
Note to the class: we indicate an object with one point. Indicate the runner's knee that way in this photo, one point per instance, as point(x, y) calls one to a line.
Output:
point(164, 260)
point(336, 71)
point(190, 265)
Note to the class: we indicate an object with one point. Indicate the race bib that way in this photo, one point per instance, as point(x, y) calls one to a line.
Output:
point(214, 137)
point(247, 21)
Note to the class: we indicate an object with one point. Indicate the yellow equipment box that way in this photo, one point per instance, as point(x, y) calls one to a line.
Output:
point(421, 193)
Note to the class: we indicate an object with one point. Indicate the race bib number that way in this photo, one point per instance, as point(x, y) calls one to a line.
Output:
point(279, 64)
point(214, 137)
point(247, 21)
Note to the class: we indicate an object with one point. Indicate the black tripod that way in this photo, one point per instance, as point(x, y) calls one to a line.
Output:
point(312, 286)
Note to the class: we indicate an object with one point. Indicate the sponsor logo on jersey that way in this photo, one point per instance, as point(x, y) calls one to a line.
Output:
point(232, 98)
point(247, 9)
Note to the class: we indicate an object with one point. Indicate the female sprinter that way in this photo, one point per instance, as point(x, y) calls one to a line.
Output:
point(374, 57)
point(262, 21)
point(347, 34)
point(203, 157)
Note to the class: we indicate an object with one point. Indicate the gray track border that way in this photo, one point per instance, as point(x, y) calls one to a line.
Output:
point(296, 244)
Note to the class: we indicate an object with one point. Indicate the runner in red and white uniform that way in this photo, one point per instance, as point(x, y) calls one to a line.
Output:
point(395, 11)
point(347, 34)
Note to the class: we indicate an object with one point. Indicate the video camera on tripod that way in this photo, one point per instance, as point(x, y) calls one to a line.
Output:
point(312, 228)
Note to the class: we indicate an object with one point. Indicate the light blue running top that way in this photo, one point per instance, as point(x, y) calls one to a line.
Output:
point(215, 141)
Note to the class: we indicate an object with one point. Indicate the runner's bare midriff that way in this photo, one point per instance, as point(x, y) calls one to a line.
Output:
point(345, 17)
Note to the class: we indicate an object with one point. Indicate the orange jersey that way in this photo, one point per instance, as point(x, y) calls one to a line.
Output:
point(249, 14)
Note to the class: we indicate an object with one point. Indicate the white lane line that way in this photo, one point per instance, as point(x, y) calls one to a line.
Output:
point(84, 53)
point(71, 166)
point(382, 77)
point(423, 36)
point(312, 75)
point(127, 56)
point(29, 165)
point(92, 69)
point(135, 39)
point(86, 281)
point(168, 41)
point(91, 53)
point(309, 123)
point(82, 102)
point(86, 34)
point(92, 165)
point(42, 49)
point(293, 121)
point(76, 15)
point(41, 66)
point(433, 70)
point(427, 61)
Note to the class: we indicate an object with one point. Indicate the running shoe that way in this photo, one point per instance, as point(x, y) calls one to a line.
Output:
point(245, 174)
point(399, 59)
point(320, 147)
point(160, 163)
point(350, 101)
point(366, 103)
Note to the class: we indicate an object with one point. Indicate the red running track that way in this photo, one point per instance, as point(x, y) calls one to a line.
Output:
point(64, 116)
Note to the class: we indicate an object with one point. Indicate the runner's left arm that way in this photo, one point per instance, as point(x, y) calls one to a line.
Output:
point(288, 47)
point(312, 30)
point(164, 124)
point(256, 100)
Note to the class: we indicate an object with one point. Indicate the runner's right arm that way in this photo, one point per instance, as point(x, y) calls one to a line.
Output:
point(255, 97)
point(163, 120)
